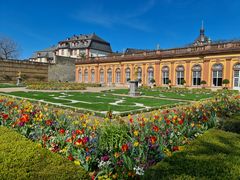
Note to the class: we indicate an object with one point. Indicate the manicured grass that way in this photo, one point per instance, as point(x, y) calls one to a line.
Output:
point(21, 158)
point(214, 155)
point(101, 102)
point(173, 95)
point(6, 85)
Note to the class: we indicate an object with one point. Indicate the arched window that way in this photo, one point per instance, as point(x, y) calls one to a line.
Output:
point(165, 75)
point(196, 75)
point(109, 75)
point(180, 75)
point(86, 76)
point(139, 73)
point(128, 74)
point(92, 76)
point(80, 75)
point(236, 76)
point(118, 75)
point(217, 71)
point(150, 74)
point(101, 76)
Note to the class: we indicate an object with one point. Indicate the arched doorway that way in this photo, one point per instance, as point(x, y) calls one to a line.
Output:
point(139, 74)
point(150, 75)
point(217, 74)
point(180, 75)
point(236, 77)
point(127, 74)
point(118, 76)
point(109, 75)
point(196, 75)
point(92, 76)
point(86, 76)
point(80, 75)
point(101, 76)
point(165, 75)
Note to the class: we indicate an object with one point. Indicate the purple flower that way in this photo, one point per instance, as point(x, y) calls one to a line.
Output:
point(105, 158)
point(21, 124)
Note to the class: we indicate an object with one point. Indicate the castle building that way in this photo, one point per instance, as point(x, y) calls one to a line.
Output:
point(203, 60)
point(81, 46)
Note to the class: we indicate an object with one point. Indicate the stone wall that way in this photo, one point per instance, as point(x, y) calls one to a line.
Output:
point(29, 70)
point(63, 70)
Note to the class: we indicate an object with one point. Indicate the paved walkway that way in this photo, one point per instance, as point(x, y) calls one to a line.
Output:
point(89, 89)
point(154, 97)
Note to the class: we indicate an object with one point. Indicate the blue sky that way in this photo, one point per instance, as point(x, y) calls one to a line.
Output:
point(143, 24)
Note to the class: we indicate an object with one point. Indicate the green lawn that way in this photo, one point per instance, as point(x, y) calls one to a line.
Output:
point(7, 85)
point(174, 95)
point(21, 158)
point(97, 102)
point(214, 155)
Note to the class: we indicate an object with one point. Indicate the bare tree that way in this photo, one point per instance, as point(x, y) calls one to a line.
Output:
point(8, 48)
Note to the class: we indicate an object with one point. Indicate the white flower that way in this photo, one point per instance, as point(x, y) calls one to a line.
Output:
point(104, 164)
point(139, 171)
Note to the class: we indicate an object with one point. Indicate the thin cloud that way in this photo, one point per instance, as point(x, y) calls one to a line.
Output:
point(97, 15)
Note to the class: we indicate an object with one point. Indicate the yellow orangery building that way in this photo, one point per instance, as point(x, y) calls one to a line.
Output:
point(203, 60)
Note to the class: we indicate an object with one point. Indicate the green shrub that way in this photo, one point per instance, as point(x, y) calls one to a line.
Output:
point(214, 155)
point(230, 124)
point(113, 135)
point(22, 159)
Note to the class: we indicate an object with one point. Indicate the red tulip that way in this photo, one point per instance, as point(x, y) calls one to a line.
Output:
point(175, 148)
point(49, 122)
point(61, 131)
point(79, 142)
point(78, 131)
point(70, 157)
point(24, 118)
point(124, 147)
point(180, 121)
point(155, 128)
point(131, 120)
point(153, 139)
point(167, 121)
point(5, 116)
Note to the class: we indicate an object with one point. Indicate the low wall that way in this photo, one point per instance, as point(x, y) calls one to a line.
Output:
point(29, 70)
point(63, 70)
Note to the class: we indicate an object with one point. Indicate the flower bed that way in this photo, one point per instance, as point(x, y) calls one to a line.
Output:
point(111, 149)
point(190, 91)
point(59, 85)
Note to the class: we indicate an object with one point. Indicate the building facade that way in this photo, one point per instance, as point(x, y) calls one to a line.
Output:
point(77, 46)
point(203, 60)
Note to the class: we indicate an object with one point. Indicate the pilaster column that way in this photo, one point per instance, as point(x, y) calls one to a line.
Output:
point(188, 74)
point(206, 74)
point(122, 74)
point(172, 74)
point(156, 73)
point(228, 72)
point(77, 74)
point(144, 74)
point(97, 74)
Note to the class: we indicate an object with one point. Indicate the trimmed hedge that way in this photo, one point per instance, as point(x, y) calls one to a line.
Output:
point(231, 124)
point(214, 155)
point(23, 159)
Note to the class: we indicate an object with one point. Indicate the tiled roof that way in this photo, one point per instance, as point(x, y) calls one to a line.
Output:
point(91, 41)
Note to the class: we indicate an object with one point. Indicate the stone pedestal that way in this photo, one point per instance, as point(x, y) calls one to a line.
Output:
point(19, 81)
point(133, 88)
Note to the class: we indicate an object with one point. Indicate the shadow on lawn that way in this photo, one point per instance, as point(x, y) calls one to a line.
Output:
point(215, 155)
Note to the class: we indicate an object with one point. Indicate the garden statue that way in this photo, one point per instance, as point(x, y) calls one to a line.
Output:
point(19, 78)
point(134, 84)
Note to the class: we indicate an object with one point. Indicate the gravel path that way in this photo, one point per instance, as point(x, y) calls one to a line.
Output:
point(89, 89)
